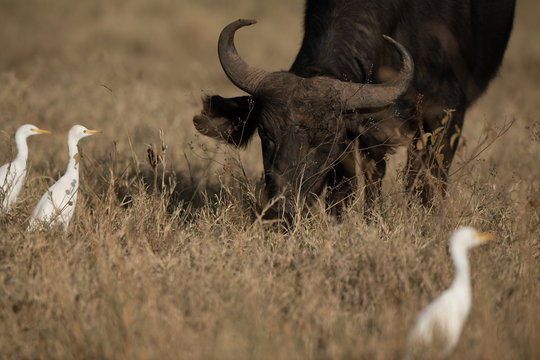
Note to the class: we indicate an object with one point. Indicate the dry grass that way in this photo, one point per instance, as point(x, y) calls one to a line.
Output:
point(181, 271)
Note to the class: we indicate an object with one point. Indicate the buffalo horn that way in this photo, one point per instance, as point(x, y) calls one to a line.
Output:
point(241, 74)
point(356, 96)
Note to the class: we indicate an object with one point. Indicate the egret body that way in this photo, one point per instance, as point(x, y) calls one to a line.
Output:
point(438, 327)
point(13, 174)
point(58, 203)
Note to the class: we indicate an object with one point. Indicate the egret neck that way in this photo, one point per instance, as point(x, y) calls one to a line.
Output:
point(22, 149)
point(462, 280)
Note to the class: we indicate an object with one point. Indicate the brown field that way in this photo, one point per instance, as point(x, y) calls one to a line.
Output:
point(181, 271)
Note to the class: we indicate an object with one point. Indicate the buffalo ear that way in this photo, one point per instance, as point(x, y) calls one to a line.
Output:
point(233, 120)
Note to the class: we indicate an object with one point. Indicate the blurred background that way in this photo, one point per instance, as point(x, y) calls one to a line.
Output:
point(130, 68)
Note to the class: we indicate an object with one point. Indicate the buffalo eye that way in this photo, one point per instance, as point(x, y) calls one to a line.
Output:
point(267, 141)
point(270, 144)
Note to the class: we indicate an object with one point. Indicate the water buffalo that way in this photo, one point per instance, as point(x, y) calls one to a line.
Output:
point(349, 83)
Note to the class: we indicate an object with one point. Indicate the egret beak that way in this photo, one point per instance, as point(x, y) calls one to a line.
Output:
point(92, 132)
point(40, 131)
point(484, 237)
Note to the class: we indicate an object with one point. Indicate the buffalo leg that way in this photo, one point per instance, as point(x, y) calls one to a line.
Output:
point(342, 184)
point(374, 168)
point(431, 153)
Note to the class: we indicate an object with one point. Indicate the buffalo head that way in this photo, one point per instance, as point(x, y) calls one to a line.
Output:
point(303, 123)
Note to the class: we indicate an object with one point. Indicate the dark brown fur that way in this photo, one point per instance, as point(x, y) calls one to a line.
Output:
point(305, 130)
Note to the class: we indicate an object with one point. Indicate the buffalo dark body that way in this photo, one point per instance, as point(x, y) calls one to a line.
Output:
point(349, 84)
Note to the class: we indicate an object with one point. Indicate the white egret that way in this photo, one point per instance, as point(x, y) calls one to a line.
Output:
point(13, 174)
point(438, 327)
point(58, 203)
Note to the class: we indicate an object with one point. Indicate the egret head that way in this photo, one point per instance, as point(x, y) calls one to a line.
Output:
point(77, 132)
point(27, 130)
point(467, 237)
